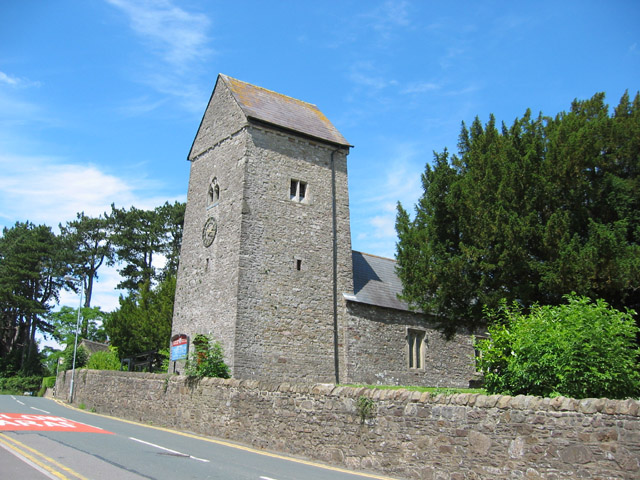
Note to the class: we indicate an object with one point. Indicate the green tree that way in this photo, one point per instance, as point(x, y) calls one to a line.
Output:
point(529, 213)
point(172, 216)
point(137, 238)
point(63, 323)
point(89, 240)
point(82, 356)
point(141, 236)
point(579, 349)
point(143, 321)
point(33, 262)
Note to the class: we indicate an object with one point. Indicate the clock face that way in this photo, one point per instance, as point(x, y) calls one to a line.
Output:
point(209, 231)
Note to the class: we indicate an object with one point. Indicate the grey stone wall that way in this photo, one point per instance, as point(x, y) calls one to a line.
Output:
point(410, 435)
point(376, 344)
point(207, 284)
point(285, 315)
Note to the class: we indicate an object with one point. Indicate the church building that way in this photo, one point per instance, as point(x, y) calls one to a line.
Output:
point(266, 265)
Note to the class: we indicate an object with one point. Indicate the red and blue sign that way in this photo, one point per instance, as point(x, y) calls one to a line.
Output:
point(179, 347)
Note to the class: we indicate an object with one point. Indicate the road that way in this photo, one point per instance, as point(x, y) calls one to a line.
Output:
point(43, 439)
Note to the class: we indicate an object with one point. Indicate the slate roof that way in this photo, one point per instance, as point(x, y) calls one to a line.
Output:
point(93, 347)
point(276, 109)
point(375, 281)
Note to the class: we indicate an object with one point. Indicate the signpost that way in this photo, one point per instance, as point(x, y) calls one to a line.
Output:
point(179, 347)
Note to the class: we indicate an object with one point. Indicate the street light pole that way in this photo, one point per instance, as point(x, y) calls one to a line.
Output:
point(75, 345)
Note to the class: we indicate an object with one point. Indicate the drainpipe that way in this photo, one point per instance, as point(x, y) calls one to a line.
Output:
point(336, 356)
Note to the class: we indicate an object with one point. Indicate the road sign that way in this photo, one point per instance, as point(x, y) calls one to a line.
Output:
point(179, 347)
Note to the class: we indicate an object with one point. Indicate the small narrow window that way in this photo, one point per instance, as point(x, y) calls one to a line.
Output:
point(298, 264)
point(415, 344)
point(213, 194)
point(298, 191)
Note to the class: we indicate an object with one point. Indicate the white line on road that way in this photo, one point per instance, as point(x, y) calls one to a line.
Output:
point(266, 478)
point(40, 410)
point(169, 450)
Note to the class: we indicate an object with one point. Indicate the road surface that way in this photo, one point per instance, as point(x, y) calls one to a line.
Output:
point(42, 439)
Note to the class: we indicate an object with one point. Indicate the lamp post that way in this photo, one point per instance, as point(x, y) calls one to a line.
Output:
point(75, 344)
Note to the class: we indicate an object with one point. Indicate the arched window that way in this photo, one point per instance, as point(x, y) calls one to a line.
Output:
point(213, 195)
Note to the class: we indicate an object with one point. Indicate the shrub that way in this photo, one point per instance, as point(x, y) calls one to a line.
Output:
point(82, 356)
point(207, 359)
point(366, 408)
point(47, 382)
point(18, 385)
point(581, 349)
point(104, 360)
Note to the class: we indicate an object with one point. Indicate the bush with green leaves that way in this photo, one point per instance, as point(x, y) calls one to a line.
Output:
point(82, 356)
point(207, 359)
point(104, 360)
point(579, 349)
point(17, 385)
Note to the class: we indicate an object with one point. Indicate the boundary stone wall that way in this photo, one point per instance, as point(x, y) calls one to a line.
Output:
point(410, 435)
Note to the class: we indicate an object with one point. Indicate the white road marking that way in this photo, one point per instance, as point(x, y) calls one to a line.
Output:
point(169, 450)
point(266, 478)
point(40, 410)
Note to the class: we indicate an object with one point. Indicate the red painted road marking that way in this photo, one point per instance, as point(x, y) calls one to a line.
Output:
point(26, 421)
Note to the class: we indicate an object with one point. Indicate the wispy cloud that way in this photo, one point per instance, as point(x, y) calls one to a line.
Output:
point(51, 191)
point(365, 74)
point(6, 79)
point(388, 16)
point(17, 82)
point(398, 181)
point(178, 39)
point(17, 108)
point(420, 87)
point(177, 36)
point(140, 106)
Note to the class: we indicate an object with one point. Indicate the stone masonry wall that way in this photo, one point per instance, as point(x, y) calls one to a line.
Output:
point(410, 435)
point(207, 282)
point(377, 351)
point(284, 326)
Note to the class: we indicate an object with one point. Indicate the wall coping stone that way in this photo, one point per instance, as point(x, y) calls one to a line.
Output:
point(604, 406)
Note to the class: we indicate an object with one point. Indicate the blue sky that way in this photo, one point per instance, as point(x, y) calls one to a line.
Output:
point(100, 99)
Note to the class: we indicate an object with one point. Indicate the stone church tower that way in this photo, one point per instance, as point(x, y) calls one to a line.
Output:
point(266, 252)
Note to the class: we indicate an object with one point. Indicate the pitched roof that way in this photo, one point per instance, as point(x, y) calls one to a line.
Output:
point(375, 281)
point(279, 110)
point(93, 347)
